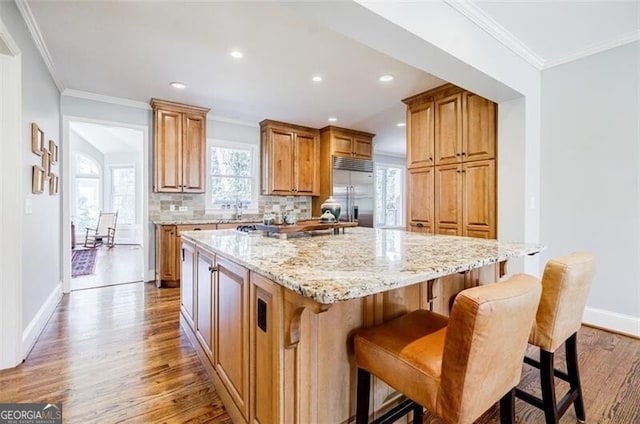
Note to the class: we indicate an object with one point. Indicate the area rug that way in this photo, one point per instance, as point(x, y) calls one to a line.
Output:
point(83, 262)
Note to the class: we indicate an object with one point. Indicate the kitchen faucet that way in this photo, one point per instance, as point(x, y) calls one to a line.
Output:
point(238, 207)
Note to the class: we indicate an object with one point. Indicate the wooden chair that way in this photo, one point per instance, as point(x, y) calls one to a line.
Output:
point(456, 367)
point(565, 286)
point(105, 231)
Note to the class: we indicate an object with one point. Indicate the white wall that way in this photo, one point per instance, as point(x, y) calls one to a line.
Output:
point(41, 229)
point(590, 171)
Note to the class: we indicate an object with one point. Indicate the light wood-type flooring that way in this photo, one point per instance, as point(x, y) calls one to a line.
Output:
point(117, 354)
point(122, 263)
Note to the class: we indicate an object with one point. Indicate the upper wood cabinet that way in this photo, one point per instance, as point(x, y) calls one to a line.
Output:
point(289, 159)
point(180, 143)
point(448, 125)
point(420, 135)
point(348, 143)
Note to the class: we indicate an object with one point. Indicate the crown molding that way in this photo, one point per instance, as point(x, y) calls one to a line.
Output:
point(594, 48)
point(38, 40)
point(235, 121)
point(105, 99)
point(479, 17)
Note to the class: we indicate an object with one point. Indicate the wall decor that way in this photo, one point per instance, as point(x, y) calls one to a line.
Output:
point(37, 179)
point(53, 148)
point(46, 162)
point(53, 184)
point(37, 139)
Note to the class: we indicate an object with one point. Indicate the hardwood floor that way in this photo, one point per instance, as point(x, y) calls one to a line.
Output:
point(117, 354)
point(120, 264)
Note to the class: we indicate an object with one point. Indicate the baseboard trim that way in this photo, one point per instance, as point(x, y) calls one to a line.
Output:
point(32, 332)
point(151, 275)
point(612, 321)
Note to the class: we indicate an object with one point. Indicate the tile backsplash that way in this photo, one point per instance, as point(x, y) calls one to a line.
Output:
point(160, 205)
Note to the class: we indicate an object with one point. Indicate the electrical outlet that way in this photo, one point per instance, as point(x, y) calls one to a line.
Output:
point(172, 208)
point(184, 209)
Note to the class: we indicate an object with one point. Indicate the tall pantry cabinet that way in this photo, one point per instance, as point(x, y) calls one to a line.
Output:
point(451, 153)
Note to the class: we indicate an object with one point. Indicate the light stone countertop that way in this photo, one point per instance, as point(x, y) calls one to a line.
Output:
point(363, 261)
point(195, 221)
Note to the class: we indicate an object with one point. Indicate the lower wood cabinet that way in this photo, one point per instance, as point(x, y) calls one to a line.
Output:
point(188, 277)
point(204, 323)
point(232, 331)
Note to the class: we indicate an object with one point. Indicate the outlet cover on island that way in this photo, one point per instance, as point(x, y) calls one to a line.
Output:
point(184, 209)
point(172, 208)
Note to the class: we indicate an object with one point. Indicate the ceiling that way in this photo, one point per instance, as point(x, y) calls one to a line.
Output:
point(108, 139)
point(132, 50)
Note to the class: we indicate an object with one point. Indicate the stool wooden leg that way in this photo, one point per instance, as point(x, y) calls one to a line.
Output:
point(362, 396)
point(574, 375)
point(547, 384)
point(508, 407)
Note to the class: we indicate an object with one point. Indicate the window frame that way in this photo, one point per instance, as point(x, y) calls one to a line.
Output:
point(135, 191)
point(254, 148)
point(403, 195)
point(99, 178)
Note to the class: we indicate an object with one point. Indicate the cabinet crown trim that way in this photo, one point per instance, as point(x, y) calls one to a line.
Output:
point(333, 128)
point(268, 123)
point(177, 107)
point(433, 94)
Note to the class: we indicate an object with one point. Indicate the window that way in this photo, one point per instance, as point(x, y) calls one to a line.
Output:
point(123, 193)
point(87, 192)
point(389, 196)
point(233, 175)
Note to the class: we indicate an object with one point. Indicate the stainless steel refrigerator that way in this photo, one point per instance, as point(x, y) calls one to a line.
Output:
point(353, 189)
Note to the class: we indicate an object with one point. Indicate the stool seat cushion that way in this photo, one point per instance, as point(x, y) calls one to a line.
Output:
point(406, 352)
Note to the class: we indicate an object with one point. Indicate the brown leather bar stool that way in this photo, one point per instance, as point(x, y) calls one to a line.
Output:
point(565, 285)
point(456, 367)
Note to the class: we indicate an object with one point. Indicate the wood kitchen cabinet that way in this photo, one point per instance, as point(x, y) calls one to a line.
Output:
point(451, 135)
point(465, 199)
point(420, 191)
point(231, 354)
point(347, 143)
point(168, 253)
point(289, 156)
point(179, 146)
point(341, 142)
point(205, 265)
point(189, 283)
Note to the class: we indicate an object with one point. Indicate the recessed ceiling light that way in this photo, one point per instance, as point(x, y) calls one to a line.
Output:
point(177, 84)
point(386, 78)
point(332, 119)
point(401, 124)
point(237, 54)
point(316, 78)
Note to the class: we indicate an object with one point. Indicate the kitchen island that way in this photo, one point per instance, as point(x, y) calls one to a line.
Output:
point(273, 319)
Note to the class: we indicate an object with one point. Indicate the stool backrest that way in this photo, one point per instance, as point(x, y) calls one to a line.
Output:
point(565, 286)
point(485, 345)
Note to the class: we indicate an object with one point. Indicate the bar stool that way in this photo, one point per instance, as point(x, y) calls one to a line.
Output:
point(565, 285)
point(456, 367)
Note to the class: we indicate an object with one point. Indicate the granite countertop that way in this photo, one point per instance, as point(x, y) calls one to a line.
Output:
point(195, 221)
point(363, 261)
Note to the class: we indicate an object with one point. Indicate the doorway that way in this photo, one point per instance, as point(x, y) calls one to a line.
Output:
point(107, 193)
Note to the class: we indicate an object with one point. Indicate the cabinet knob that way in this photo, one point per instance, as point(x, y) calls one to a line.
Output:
point(213, 269)
point(419, 225)
point(463, 153)
point(430, 158)
point(458, 171)
point(458, 154)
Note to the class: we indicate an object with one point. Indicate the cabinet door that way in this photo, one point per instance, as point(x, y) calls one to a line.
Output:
point(479, 199)
point(478, 128)
point(362, 147)
point(168, 260)
point(188, 283)
point(448, 130)
point(420, 136)
point(448, 200)
point(168, 149)
point(420, 189)
point(232, 335)
point(193, 153)
point(342, 145)
point(204, 310)
point(281, 162)
point(266, 339)
point(306, 164)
